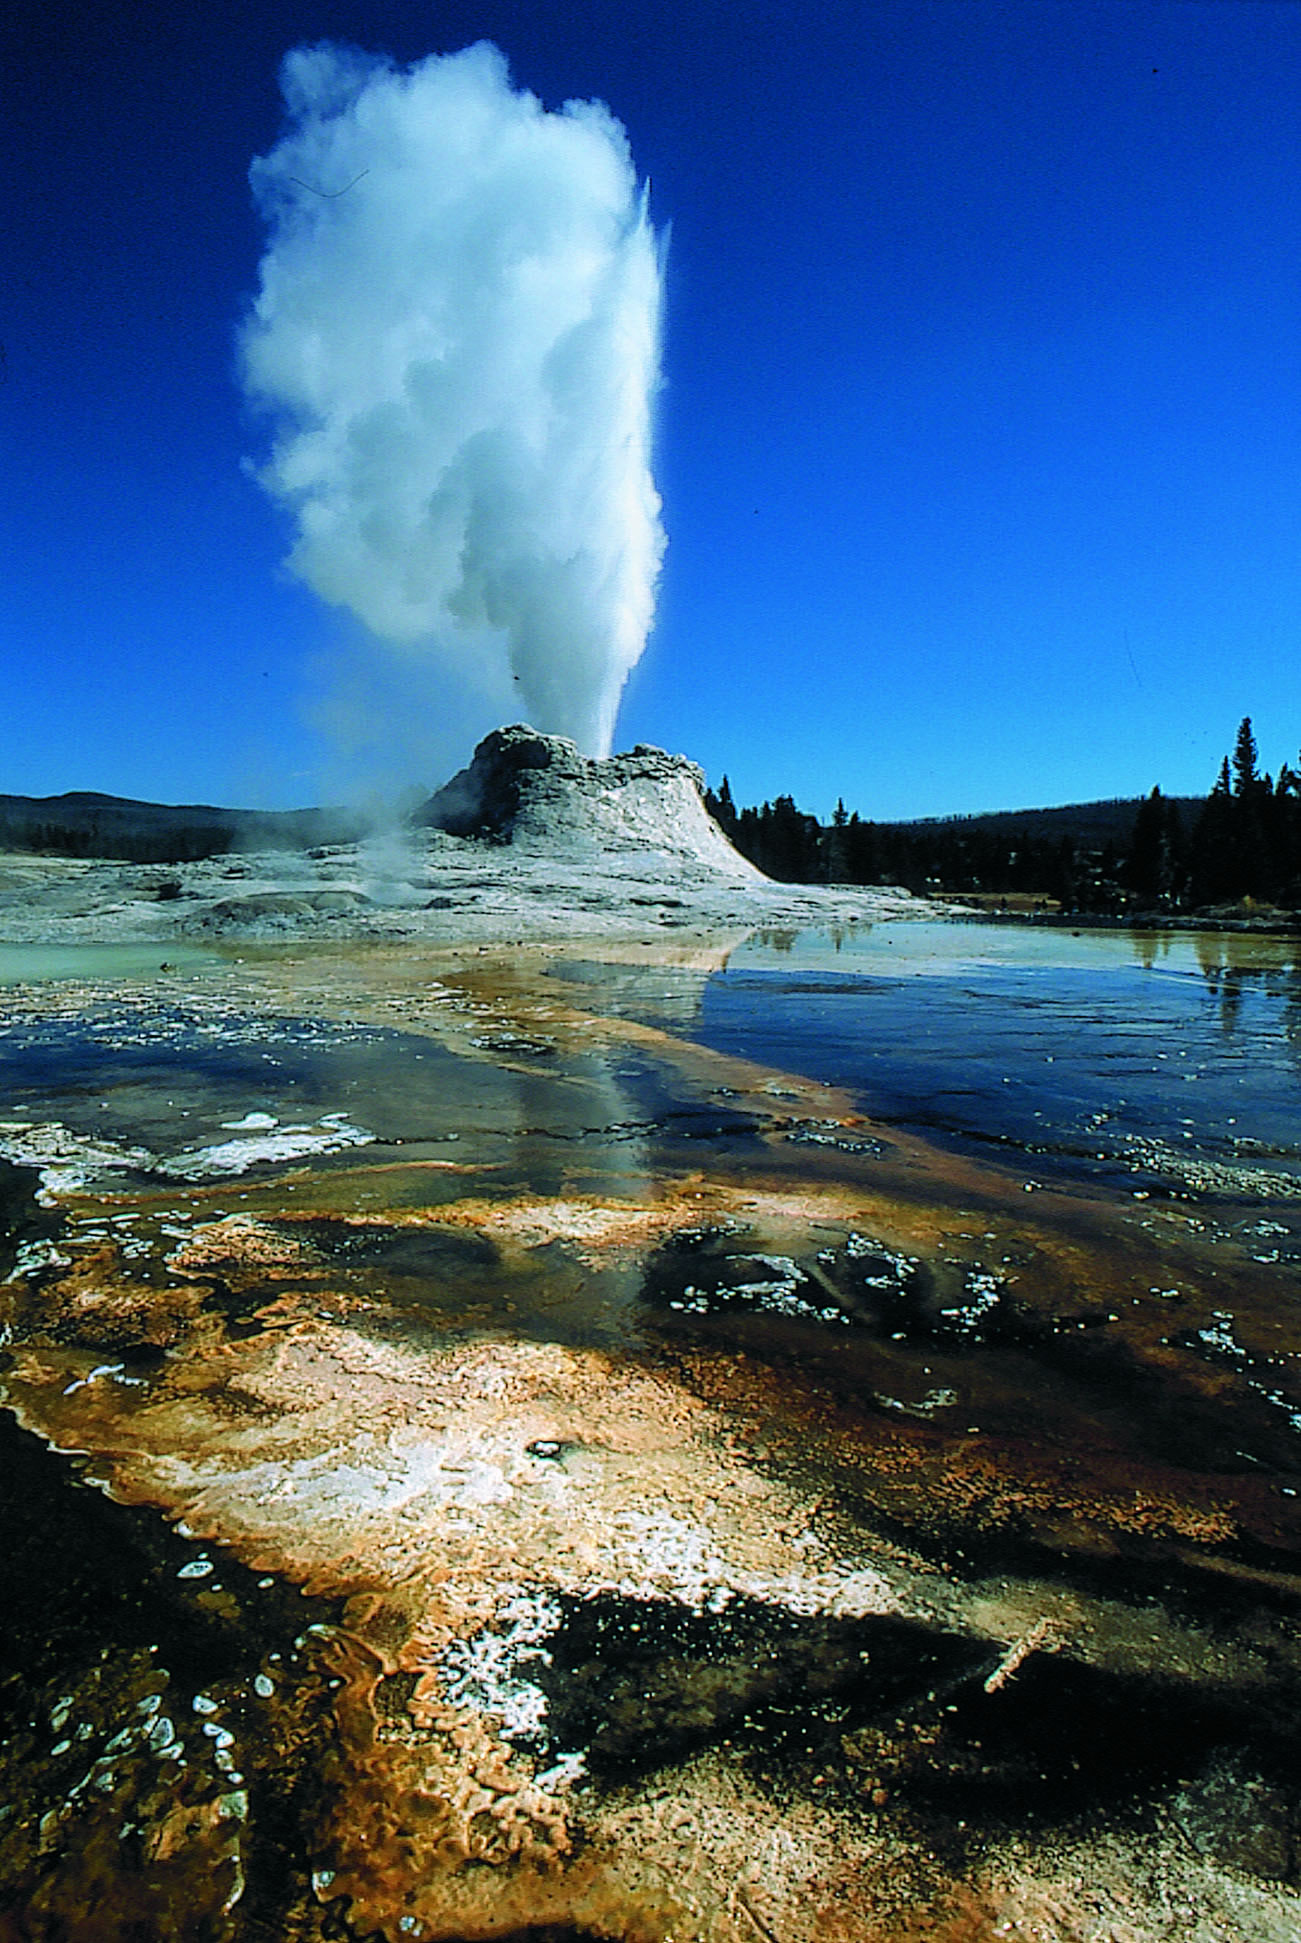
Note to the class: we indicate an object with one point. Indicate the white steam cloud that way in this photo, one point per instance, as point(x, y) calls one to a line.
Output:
point(457, 334)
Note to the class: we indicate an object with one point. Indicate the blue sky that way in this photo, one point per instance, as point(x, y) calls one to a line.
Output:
point(980, 442)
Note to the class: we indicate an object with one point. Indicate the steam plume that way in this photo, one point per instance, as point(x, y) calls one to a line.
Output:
point(457, 334)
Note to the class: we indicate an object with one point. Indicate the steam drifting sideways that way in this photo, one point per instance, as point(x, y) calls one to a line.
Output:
point(457, 337)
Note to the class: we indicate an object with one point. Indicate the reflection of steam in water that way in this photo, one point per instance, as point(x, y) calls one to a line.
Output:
point(584, 1130)
point(665, 989)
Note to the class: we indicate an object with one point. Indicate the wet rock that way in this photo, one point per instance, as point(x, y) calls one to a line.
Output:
point(1235, 1815)
point(273, 910)
point(694, 1273)
point(830, 1133)
point(634, 1684)
point(515, 1044)
point(124, 1821)
point(24, 1222)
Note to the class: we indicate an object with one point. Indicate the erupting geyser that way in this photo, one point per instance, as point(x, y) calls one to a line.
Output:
point(457, 334)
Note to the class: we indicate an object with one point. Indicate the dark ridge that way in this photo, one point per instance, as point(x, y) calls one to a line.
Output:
point(83, 823)
point(1108, 820)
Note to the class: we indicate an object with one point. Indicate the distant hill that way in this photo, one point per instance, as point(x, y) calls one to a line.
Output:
point(82, 823)
point(1091, 825)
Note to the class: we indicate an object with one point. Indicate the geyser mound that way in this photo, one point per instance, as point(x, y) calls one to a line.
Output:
point(541, 793)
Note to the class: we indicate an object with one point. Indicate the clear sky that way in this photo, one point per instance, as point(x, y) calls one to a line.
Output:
point(980, 441)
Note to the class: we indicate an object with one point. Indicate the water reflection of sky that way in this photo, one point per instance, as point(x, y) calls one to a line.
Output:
point(167, 1081)
point(1085, 1048)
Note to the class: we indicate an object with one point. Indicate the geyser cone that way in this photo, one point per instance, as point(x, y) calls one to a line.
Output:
point(540, 792)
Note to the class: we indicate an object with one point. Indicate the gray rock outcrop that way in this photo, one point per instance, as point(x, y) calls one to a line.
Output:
point(539, 792)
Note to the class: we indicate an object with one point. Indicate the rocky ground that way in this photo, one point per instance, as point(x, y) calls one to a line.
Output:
point(422, 886)
point(531, 840)
point(560, 1483)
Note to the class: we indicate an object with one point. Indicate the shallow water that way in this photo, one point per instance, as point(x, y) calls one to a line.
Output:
point(42, 964)
point(621, 1315)
point(1108, 1055)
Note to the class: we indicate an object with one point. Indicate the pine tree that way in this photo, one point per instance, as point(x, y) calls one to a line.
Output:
point(1245, 775)
point(1147, 847)
point(837, 845)
point(722, 808)
point(1214, 853)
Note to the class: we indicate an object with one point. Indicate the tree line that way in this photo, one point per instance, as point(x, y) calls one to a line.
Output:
point(1158, 853)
